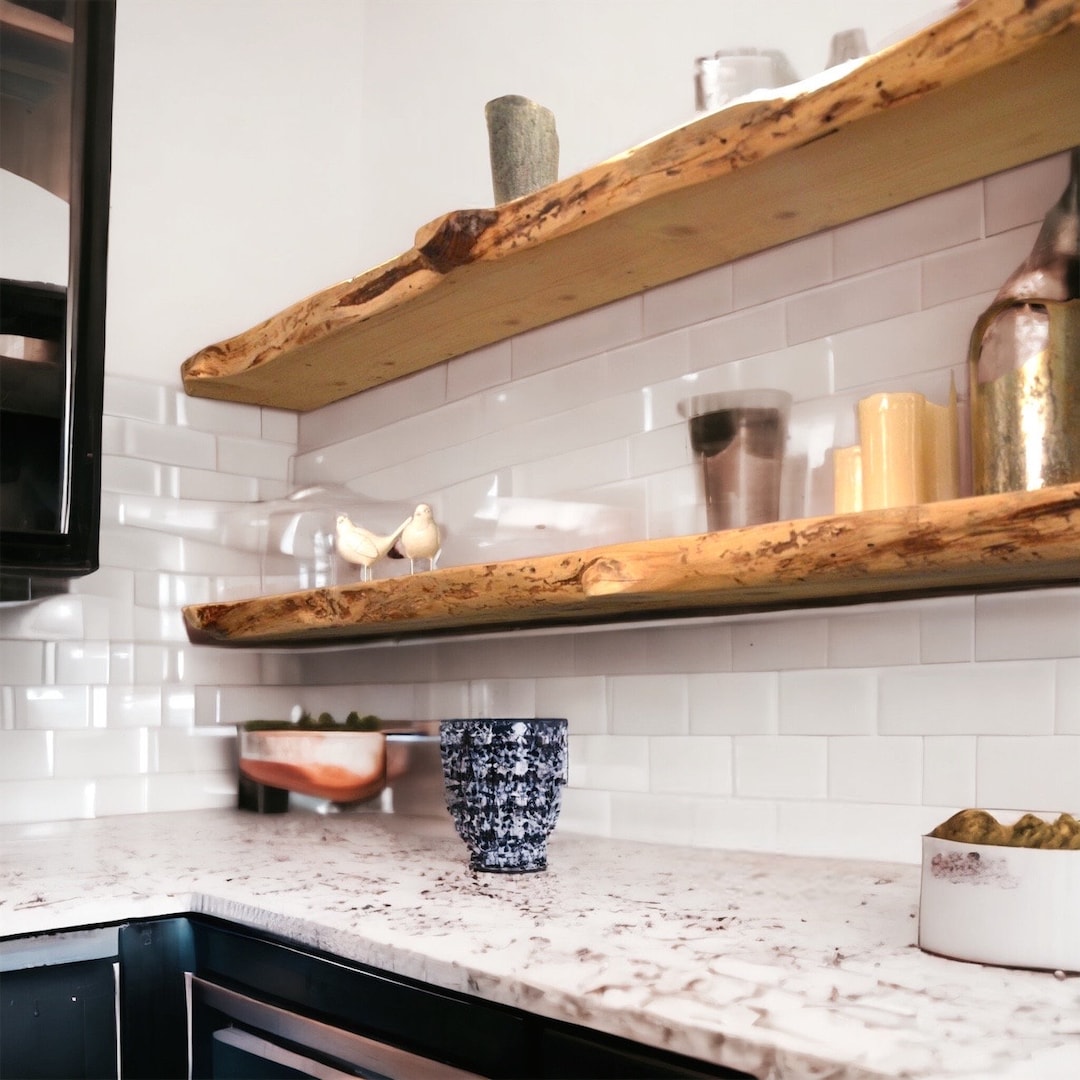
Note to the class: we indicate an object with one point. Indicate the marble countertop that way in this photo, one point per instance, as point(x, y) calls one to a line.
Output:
point(779, 966)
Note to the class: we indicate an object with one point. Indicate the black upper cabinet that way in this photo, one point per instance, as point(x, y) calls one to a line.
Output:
point(56, 85)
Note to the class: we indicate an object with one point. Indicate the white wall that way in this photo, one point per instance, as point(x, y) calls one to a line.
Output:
point(264, 149)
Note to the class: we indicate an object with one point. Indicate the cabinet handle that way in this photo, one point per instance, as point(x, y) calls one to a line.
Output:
point(357, 1050)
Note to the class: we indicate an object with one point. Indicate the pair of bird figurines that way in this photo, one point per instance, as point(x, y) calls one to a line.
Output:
point(416, 539)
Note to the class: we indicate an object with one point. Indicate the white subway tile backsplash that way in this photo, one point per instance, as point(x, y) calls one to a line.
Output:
point(1067, 697)
point(645, 364)
point(82, 662)
point(600, 330)
point(133, 706)
point(975, 268)
point(876, 831)
point(792, 731)
point(772, 645)
point(26, 801)
point(125, 474)
point(932, 224)
point(783, 271)
point(886, 769)
point(694, 646)
point(202, 484)
point(24, 661)
point(478, 371)
point(947, 630)
point(28, 755)
point(254, 457)
point(187, 751)
point(1029, 773)
point(218, 417)
point(828, 702)
point(52, 707)
point(733, 703)
point(854, 302)
point(649, 705)
point(967, 699)
point(781, 766)
point(95, 752)
point(691, 300)
point(660, 819)
point(1027, 625)
point(581, 700)
point(115, 795)
point(867, 640)
point(502, 698)
point(701, 765)
point(1023, 195)
point(280, 425)
point(735, 824)
point(714, 344)
point(170, 445)
point(609, 763)
point(906, 346)
point(167, 792)
point(134, 399)
point(949, 770)
point(375, 408)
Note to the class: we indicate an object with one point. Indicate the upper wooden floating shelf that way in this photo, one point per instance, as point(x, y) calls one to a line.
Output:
point(990, 542)
point(994, 85)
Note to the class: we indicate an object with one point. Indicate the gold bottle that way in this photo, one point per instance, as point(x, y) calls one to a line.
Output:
point(1024, 363)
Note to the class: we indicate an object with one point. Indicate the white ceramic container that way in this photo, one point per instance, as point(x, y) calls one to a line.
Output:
point(1017, 907)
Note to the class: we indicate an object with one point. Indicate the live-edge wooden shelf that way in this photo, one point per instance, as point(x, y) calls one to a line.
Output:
point(994, 85)
point(989, 542)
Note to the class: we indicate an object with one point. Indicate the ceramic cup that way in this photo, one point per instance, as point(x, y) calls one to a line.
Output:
point(504, 781)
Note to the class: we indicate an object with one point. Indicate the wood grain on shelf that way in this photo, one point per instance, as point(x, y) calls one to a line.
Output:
point(993, 85)
point(995, 541)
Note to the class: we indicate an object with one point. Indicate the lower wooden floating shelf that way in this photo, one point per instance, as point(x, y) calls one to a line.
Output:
point(992, 542)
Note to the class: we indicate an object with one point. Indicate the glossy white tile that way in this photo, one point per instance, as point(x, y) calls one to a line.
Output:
point(828, 702)
point(781, 767)
point(1029, 773)
point(596, 331)
point(702, 765)
point(967, 699)
point(690, 300)
point(28, 755)
point(734, 703)
point(886, 769)
point(479, 370)
point(949, 771)
point(649, 705)
point(872, 298)
point(938, 222)
point(1028, 625)
point(581, 700)
point(1067, 697)
point(609, 762)
point(783, 271)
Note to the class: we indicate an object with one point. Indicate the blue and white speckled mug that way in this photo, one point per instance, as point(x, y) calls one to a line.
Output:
point(504, 781)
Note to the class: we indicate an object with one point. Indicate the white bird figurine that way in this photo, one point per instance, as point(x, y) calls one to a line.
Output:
point(361, 546)
point(419, 539)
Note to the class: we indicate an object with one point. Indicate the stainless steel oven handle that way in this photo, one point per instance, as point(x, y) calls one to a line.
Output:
point(357, 1050)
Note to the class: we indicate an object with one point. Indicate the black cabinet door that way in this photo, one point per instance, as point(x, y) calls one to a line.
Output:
point(59, 1022)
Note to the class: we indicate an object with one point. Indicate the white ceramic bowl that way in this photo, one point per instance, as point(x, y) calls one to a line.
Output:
point(1017, 907)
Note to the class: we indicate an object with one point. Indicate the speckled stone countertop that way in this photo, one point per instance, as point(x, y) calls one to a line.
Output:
point(783, 967)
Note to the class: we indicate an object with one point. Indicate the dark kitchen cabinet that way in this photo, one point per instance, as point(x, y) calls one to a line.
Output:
point(261, 1006)
point(58, 1008)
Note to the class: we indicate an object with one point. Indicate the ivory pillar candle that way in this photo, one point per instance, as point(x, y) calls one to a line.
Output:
point(847, 479)
point(941, 450)
point(891, 440)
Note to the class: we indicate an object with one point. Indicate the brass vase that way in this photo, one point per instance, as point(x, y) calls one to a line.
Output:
point(1024, 363)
